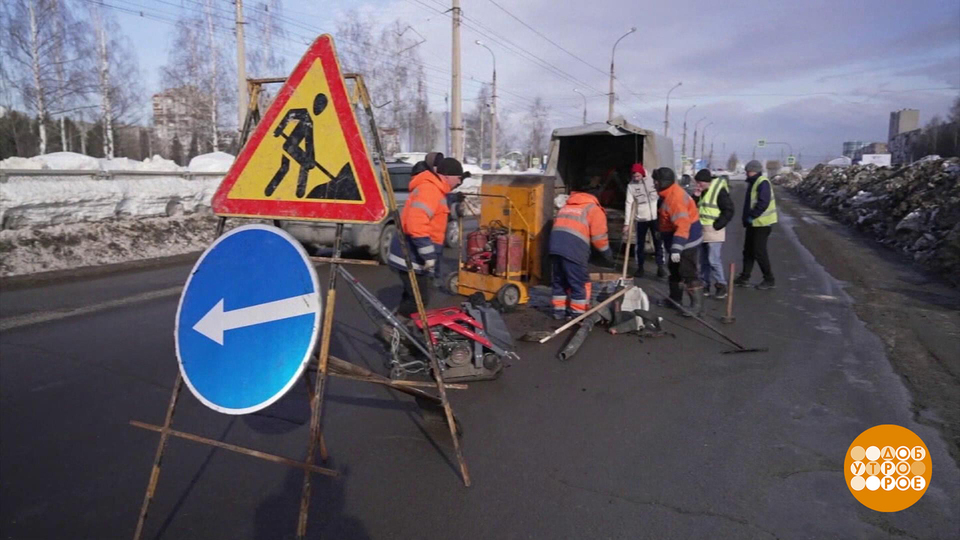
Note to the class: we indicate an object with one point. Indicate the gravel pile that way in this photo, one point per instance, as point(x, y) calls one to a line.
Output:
point(914, 208)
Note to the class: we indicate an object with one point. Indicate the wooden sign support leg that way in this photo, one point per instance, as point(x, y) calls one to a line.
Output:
point(391, 199)
point(316, 406)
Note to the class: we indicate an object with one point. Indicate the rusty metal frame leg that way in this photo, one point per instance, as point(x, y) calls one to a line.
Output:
point(158, 457)
point(316, 402)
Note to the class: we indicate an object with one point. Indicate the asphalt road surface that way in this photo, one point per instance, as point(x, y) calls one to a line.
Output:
point(662, 439)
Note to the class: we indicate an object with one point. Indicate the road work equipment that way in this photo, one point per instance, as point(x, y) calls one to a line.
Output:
point(545, 336)
point(506, 254)
point(472, 342)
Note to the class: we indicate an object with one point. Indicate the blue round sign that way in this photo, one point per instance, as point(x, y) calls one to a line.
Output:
point(248, 319)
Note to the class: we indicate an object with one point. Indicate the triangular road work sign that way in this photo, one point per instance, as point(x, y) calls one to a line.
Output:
point(307, 158)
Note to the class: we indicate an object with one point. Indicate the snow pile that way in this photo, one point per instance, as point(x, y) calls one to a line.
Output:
point(59, 247)
point(39, 201)
point(154, 164)
point(915, 208)
point(788, 178)
point(61, 161)
point(471, 186)
point(214, 162)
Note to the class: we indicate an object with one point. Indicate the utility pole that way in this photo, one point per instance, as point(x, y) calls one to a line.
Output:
point(241, 69)
point(584, 105)
point(695, 128)
point(666, 112)
point(493, 112)
point(703, 138)
point(614, 52)
point(483, 106)
point(457, 120)
point(683, 152)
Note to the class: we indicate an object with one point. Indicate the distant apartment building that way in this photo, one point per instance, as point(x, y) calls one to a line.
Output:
point(180, 112)
point(850, 148)
point(872, 148)
point(903, 121)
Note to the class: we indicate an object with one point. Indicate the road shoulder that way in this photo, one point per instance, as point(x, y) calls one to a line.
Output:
point(917, 316)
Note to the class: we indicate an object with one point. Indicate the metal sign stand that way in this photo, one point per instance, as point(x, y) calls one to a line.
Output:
point(325, 361)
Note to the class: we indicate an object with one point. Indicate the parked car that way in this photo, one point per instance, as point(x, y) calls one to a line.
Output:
point(375, 238)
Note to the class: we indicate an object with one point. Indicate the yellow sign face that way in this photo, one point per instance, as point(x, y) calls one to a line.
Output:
point(287, 139)
point(307, 159)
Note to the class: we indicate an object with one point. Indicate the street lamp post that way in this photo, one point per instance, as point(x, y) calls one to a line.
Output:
point(666, 112)
point(710, 159)
point(612, 96)
point(695, 128)
point(493, 113)
point(683, 152)
point(584, 104)
point(703, 137)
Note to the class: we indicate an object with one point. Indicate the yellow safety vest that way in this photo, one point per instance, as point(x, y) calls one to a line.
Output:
point(769, 216)
point(709, 211)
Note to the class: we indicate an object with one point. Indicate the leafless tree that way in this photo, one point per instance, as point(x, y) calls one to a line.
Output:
point(477, 125)
point(266, 28)
point(536, 123)
point(118, 85)
point(390, 63)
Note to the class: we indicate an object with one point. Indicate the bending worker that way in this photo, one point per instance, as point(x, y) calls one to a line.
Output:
point(681, 230)
point(423, 222)
point(581, 223)
point(716, 210)
point(759, 215)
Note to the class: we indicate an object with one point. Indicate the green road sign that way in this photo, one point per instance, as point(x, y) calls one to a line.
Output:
point(761, 143)
point(791, 160)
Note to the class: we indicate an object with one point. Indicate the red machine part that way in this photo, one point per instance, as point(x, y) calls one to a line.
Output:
point(477, 242)
point(454, 319)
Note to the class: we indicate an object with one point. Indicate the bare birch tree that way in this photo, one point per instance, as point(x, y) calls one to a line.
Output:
point(264, 21)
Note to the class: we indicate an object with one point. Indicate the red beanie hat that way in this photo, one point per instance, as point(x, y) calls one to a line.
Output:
point(638, 167)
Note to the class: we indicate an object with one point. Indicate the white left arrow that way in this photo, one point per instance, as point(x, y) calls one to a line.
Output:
point(217, 321)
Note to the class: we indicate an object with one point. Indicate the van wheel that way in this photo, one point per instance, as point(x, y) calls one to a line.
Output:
point(386, 238)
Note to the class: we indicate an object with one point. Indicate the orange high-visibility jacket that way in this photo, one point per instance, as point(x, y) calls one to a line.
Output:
point(578, 225)
point(679, 219)
point(423, 221)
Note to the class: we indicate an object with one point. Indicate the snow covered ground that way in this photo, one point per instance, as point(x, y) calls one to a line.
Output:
point(59, 221)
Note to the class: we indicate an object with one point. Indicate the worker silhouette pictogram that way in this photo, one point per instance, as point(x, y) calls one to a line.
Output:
point(299, 145)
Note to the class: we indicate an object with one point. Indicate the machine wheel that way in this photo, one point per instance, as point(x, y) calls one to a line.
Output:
point(452, 237)
point(452, 282)
point(386, 237)
point(492, 362)
point(509, 296)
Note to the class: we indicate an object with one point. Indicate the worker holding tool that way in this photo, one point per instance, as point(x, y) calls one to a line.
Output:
point(640, 191)
point(679, 223)
point(759, 215)
point(581, 223)
point(423, 222)
point(716, 210)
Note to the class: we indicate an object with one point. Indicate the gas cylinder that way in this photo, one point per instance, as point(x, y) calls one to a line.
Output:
point(515, 247)
point(476, 242)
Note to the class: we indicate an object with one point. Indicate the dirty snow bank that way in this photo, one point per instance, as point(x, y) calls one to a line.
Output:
point(75, 245)
point(915, 208)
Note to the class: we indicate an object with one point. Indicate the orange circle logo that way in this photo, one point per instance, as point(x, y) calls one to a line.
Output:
point(887, 468)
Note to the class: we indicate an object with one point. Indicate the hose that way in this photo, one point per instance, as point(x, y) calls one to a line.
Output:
point(578, 338)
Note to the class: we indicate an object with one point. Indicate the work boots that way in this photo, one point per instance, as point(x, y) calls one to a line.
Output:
point(696, 301)
point(676, 293)
point(721, 291)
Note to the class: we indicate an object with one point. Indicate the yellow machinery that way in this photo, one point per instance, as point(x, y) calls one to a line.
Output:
point(508, 252)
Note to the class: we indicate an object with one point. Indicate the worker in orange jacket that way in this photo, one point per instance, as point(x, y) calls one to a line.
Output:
point(423, 223)
point(679, 222)
point(580, 224)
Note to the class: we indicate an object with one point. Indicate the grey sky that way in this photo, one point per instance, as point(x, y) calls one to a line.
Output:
point(812, 73)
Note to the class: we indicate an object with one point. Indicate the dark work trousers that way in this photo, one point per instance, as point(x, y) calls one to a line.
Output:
point(408, 304)
point(642, 228)
point(755, 249)
point(687, 271)
point(571, 286)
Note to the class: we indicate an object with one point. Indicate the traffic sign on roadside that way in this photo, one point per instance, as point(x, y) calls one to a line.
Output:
point(307, 158)
point(791, 160)
point(248, 319)
point(761, 143)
